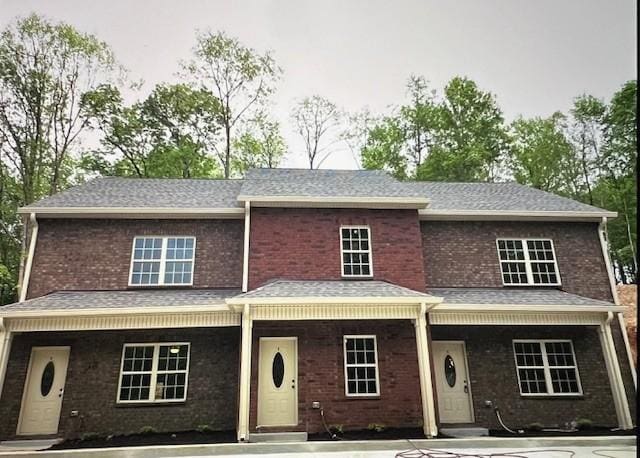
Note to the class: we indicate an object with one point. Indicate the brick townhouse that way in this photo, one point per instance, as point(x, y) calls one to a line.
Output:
point(254, 305)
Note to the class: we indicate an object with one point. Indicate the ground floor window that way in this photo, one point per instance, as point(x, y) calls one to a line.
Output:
point(154, 372)
point(361, 366)
point(546, 367)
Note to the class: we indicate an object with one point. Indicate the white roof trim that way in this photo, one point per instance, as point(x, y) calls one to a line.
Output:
point(528, 308)
point(115, 311)
point(505, 215)
point(133, 212)
point(336, 202)
point(368, 300)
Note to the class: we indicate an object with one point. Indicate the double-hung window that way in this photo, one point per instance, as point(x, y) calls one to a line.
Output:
point(361, 366)
point(528, 262)
point(154, 372)
point(546, 367)
point(158, 261)
point(355, 248)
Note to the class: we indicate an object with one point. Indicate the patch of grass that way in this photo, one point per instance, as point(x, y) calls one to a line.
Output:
point(583, 424)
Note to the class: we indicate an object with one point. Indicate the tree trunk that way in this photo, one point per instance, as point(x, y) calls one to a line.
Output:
point(227, 153)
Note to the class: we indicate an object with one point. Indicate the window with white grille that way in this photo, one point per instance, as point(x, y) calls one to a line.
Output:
point(361, 366)
point(157, 261)
point(528, 262)
point(355, 249)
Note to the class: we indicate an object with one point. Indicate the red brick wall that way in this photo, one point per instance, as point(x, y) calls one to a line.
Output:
point(493, 376)
point(321, 373)
point(304, 244)
point(91, 385)
point(464, 254)
point(96, 254)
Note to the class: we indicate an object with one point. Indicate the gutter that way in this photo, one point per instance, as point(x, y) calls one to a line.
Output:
point(602, 231)
point(132, 212)
point(366, 300)
point(114, 311)
point(509, 215)
point(24, 287)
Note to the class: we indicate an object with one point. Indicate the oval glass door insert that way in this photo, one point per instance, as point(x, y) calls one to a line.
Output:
point(277, 369)
point(48, 374)
point(450, 371)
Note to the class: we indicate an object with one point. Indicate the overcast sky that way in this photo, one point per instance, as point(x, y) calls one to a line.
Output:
point(535, 56)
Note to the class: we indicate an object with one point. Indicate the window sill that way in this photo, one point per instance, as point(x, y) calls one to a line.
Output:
point(552, 396)
point(373, 397)
point(120, 405)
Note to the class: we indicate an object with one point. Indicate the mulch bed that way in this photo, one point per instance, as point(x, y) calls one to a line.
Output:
point(370, 434)
point(594, 431)
point(181, 438)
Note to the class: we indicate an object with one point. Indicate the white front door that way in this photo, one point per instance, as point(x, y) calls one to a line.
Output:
point(43, 391)
point(452, 382)
point(278, 382)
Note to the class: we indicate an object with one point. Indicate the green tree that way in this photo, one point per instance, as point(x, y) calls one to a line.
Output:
point(168, 134)
point(540, 154)
point(240, 78)
point(317, 120)
point(261, 145)
point(471, 137)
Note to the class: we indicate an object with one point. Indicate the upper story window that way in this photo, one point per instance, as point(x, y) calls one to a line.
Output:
point(355, 244)
point(528, 262)
point(162, 261)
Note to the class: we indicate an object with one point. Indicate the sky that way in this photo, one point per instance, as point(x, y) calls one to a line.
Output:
point(535, 56)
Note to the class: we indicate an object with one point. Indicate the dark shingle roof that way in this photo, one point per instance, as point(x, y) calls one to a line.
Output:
point(324, 183)
point(508, 296)
point(494, 197)
point(147, 193)
point(331, 288)
point(92, 300)
point(133, 193)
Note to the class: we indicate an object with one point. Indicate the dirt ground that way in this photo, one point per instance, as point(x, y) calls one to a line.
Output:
point(628, 295)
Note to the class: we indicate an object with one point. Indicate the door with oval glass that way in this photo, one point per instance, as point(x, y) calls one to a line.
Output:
point(452, 382)
point(43, 391)
point(278, 382)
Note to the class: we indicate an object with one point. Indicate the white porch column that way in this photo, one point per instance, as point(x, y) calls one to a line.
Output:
point(5, 347)
point(245, 375)
point(424, 365)
point(613, 370)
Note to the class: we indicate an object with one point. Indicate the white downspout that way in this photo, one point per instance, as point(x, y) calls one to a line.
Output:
point(245, 375)
point(614, 292)
point(245, 257)
point(32, 249)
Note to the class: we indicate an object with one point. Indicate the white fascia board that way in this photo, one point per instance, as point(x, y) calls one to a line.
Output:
point(133, 212)
point(336, 202)
point(528, 308)
point(366, 300)
point(115, 311)
point(510, 215)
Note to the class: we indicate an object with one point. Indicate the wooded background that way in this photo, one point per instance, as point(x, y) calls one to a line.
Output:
point(63, 120)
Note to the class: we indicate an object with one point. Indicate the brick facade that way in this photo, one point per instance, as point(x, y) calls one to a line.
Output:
point(321, 373)
point(463, 254)
point(92, 382)
point(304, 244)
point(493, 376)
point(92, 254)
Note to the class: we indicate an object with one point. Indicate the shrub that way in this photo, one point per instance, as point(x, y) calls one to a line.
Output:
point(535, 426)
point(204, 429)
point(148, 430)
point(376, 427)
point(336, 429)
point(583, 424)
point(89, 436)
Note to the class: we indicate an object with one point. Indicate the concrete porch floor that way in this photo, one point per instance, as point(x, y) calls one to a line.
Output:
point(582, 447)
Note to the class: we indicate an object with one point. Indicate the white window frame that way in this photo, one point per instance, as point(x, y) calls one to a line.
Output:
point(527, 261)
point(369, 252)
point(162, 260)
point(356, 365)
point(154, 373)
point(547, 368)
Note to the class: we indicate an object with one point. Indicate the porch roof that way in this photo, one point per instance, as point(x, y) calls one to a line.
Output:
point(343, 291)
point(515, 296)
point(146, 301)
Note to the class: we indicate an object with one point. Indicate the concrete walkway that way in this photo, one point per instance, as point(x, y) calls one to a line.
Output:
point(581, 447)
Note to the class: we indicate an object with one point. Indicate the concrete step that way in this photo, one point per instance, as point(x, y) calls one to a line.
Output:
point(278, 437)
point(465, 431)
point(27, 444)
